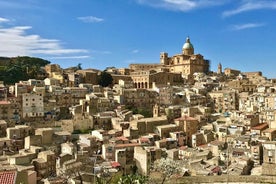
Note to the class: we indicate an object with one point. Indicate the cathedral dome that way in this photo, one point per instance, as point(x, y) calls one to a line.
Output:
point(187, 44)
point(188, 48)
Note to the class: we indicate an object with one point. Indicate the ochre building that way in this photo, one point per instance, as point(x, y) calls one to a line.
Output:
point(187, 63)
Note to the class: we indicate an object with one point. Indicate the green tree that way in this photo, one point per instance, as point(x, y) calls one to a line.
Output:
point(133, 179)
point(105, 79)
point(79, 66)
point(147, 113)
point(247, 169)
point(21, 68)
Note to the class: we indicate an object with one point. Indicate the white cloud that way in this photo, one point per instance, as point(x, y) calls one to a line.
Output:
point(182, 5)
point(101, 51)
point(135, 51)
point(90, 19)
point(3, 20)
point(246, 26)
point(16, 42)
point(249, 5)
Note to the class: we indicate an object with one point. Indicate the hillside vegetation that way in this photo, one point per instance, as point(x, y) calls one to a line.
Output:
point(19, 68)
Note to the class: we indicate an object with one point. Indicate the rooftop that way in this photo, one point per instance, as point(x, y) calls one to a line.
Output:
point(8, 177)
point(185, 118)
point(260, 126)
point(5, 102)
point(269, 130)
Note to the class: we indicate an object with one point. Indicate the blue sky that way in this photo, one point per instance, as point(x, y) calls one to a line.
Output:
point(240, 34)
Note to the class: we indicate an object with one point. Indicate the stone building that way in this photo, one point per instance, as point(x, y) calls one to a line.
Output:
point(116, 78)
point(41, 91)
point(77, 94)
point(164, 130)
point(45, 164)
point(270, 133)
point(46, 134)
point(189, 125)
point(147, 125)
point(145, 79)
point(123, 153)
point(88, 76)
point(73, 79)
point(253, 74)
point(35, 82)
point(139, 97)
point(3, 92)
point(95, 103)
point(173, 111)
point(6, 110)
point(32, 105)
point(145, 157)
point(50, 68)
point(51, 82)
point(186, 63)
point(59, 76)
point(166, 94)
point(224, 100)
point(231, 72)
point(219, 69)
point(242, 85)
point(18, 132)
point(270, 102)
point(167, 143)
point(21, 88)
point(68, 148)
point(3, 128)
point(145, 67)
point(269, 158)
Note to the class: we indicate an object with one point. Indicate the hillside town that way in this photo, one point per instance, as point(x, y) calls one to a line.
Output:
point(69, 128)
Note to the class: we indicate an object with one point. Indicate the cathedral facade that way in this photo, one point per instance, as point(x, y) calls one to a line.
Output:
point(185, 64)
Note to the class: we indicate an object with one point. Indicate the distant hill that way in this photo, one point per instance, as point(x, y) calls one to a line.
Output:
point(19, 68)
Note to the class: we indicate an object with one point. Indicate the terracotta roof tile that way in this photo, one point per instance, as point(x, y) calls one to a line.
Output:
point(8, 177)
point(127, 145)
point(5, 102)
point(260, 126)
point(115, 164)
point(122, 138)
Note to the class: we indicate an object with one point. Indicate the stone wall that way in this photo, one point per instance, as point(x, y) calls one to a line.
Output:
point(221, 179)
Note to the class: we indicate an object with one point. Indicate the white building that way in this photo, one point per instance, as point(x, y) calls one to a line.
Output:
point(32, 105)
